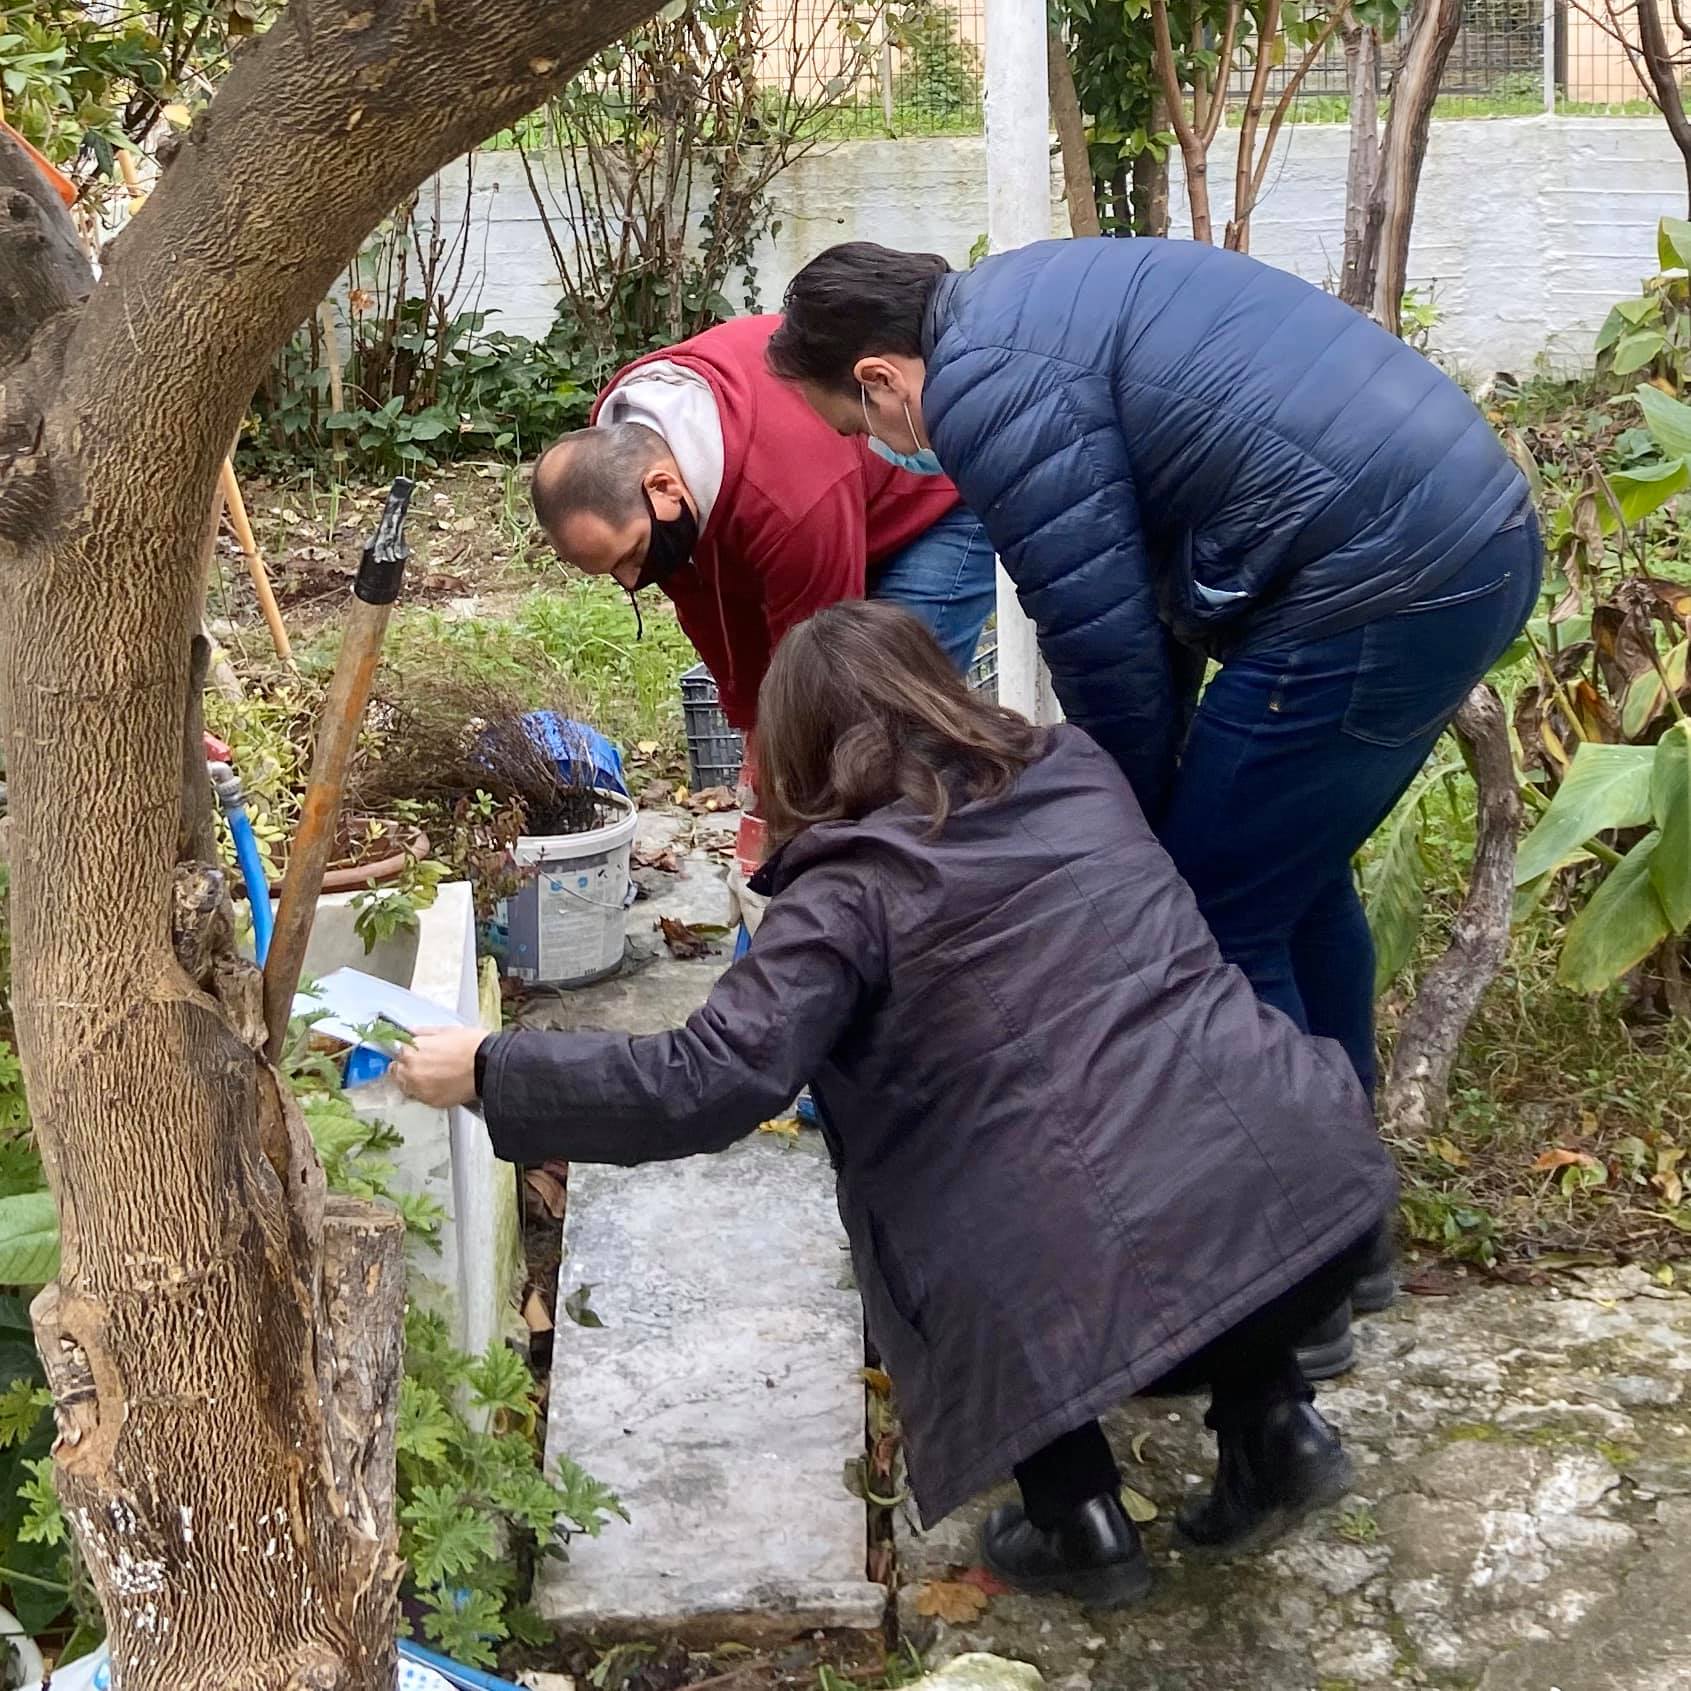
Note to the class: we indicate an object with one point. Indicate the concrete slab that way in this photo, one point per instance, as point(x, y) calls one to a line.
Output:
point(721, 1396)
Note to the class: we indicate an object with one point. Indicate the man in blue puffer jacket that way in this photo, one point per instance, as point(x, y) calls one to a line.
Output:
point(1183, 455)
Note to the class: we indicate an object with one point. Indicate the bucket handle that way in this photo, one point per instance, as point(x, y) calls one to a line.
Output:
point(599, 903)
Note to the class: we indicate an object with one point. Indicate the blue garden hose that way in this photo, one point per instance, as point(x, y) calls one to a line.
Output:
point(234, 802)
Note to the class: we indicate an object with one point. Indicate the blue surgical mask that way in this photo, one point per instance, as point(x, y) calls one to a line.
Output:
point(924, 462)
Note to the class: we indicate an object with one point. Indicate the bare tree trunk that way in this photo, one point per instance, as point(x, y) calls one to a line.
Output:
point(1150, 181)
point(1428, 38)
point(1190, 128)
point(211, 1365)
point(1362, 71)
point(1664, 69)
point(1070, 123)
point(1416, 1093)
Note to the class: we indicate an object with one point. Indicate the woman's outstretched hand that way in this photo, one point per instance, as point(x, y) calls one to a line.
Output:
point(439, 1067)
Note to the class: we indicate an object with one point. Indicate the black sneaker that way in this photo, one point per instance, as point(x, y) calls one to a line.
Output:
point(1093, 1554)
point(1328, 1349)
point(1271, 1470)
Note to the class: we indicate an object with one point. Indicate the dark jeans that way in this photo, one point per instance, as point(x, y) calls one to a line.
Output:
point(1249, 1367)
point(1300, 751)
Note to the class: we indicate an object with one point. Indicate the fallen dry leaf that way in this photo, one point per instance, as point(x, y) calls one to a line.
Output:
point(683, 941)
point(666, 860)
point(1564, 1159)
point(950, 1600)
point(1139, 1507)
point(1447, 1151)
point(646, 747)
point(712, 799)
point(878, 1380)
point(535, 1313)
point(985, 1581)
point(549, 1189)
point(1140, 1440)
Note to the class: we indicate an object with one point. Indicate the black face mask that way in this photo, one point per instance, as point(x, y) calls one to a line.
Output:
point(671, 544)
point(670, 547)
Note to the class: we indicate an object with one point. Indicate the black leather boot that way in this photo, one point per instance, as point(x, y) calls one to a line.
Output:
point(1328, 1349)
point(1274, 1464)
point(1376, 1286)
point(1093, 1554)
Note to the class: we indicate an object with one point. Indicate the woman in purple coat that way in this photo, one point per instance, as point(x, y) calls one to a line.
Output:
point(1077, 1157)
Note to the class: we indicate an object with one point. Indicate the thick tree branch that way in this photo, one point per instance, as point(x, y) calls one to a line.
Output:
point(43, 269)
point(1192, 149)
point(1070, 124)
point(1660, 62)
point(1416, 1093)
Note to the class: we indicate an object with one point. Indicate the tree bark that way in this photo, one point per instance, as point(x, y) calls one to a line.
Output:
point(236, 1540)
point(1664, 69)
point(1070, 124)
point(1416, 1094)
point(1429, 37)
point(1190, 129)
point(1362, 71)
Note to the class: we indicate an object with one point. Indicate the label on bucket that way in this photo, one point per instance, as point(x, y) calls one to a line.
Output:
point(580, 926)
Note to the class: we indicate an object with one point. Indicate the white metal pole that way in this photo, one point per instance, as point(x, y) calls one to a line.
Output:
point(1550, 57)
point(1018, 210)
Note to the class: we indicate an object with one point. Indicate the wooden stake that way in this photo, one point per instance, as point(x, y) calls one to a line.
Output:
point(255, 562)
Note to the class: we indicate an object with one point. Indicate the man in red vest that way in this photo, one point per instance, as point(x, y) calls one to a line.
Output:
point(706, 476)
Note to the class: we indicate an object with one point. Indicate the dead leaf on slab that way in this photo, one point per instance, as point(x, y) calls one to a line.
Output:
point(950, 1600)
point(787, 1126)
point(985, 1581)
point(688, 941)
point(578, 1306)
point(1140, 1440)
point(535, 1313)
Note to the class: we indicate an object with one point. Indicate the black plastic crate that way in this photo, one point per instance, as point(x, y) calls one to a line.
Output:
point(715, 751)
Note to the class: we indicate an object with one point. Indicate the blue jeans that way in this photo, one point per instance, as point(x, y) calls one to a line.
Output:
point(1299, 752)
point(947, 577)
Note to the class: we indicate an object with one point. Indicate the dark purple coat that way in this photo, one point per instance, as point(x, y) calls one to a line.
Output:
point(1072, 1145)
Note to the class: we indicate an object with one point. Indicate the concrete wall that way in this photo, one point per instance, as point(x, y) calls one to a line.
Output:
point(1528, 228)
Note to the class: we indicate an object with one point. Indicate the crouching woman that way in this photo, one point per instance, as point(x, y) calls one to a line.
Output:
point(1077, 1158)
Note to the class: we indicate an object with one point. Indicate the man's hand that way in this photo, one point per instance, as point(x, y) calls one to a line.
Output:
point(439, 1068)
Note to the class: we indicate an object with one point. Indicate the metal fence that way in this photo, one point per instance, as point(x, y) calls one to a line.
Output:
point(921, 71)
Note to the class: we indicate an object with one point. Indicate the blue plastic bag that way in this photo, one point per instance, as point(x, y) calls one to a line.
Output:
point(569, 744)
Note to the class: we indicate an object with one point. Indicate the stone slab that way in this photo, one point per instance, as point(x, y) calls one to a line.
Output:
point(1521, 1520)
point(721, 1398)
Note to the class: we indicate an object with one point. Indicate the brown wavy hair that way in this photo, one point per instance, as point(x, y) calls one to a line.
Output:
point(860, 708)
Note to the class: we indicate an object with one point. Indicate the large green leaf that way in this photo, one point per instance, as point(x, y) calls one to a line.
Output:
point(1620, 927)
point(1648, 487)
point(1637, 350)
point(1606, 787)
point(1395, 891)
point(1668, 421)
point(1673, 244)
point(29, 1239)
point(1670, 802)
point(1394, 881)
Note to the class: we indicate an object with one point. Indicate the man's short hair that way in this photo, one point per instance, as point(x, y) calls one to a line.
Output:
point(855, 301)
point(597, 472)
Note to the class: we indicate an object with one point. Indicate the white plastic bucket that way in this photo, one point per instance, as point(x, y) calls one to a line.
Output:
point(568, 923)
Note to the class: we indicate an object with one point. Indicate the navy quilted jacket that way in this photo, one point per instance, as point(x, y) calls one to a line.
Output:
point(1176, 449)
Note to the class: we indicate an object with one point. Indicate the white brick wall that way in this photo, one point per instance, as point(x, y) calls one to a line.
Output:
point(1527, 229)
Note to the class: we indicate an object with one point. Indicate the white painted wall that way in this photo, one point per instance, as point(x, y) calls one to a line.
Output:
point(1528, 228)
